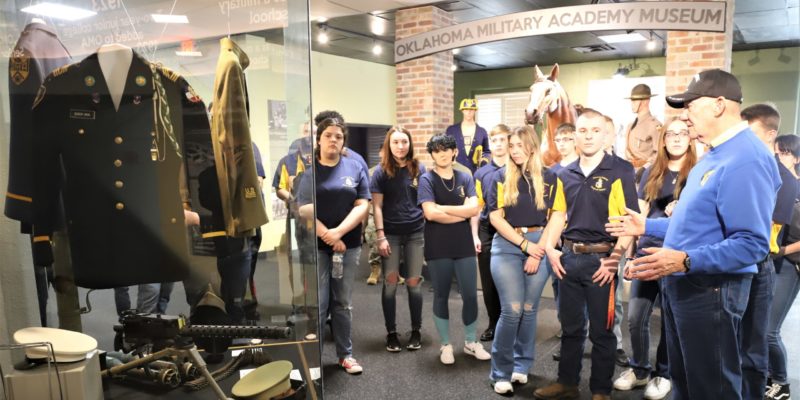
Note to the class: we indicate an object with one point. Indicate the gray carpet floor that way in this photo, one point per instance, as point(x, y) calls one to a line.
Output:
point(420, 375)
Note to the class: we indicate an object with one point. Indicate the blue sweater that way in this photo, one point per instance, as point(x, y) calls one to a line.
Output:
point(723, 218)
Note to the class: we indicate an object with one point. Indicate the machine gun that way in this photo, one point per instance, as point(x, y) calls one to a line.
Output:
point(172, 342)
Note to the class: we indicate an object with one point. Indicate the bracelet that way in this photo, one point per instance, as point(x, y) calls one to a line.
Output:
point(781, 251)
point(378, 229)
point(381, 238)
point(525, 250)
point(520, 243)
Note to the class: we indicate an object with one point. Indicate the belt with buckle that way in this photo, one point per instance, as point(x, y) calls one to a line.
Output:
point(588, 248)
point(527, 229)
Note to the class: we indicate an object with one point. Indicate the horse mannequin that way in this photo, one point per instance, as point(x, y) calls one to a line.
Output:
point(549, 101)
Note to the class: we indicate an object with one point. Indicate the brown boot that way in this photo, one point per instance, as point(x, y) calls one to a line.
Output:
point(556, 391)
point(374, 275)
point(598, 396)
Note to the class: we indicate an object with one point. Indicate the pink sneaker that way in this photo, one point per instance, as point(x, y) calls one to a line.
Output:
point(350, 365)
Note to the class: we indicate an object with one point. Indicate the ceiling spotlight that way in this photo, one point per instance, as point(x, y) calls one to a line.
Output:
point(322, 36)
point(755, 60)
point(454, 67)
point(784, 58)
point(651, 44)
point(322, 20)
point(377, 26)
point(456, 51)
point(377, 49)
point(621, 72)
point(59, 11)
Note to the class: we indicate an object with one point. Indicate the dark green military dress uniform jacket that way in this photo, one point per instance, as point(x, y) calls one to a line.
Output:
point(123, 172)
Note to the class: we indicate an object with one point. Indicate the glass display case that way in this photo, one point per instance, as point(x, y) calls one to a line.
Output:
point(152, 150)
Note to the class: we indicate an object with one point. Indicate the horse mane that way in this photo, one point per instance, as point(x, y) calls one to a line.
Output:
point(564, 113)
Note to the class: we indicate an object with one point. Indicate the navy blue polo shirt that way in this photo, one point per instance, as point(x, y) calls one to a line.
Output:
point(259, 164)
point(556, 167)
point(447, 240)
point(287, 168)
point(525, 213)
point(337, 188)
point(784, 205)
point(658, 206)
point(590, 200)
point(484, 180)
point(401, 213)
point(355, 156)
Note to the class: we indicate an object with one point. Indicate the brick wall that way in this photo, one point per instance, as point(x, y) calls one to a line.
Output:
point(424, 85)
point(691, 52)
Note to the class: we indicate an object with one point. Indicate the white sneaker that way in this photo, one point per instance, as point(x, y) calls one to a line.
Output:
point(628, 381)
point(446, 354)
point(657, 389)
point(517, 377)
point(503, 387)
point(476, 350)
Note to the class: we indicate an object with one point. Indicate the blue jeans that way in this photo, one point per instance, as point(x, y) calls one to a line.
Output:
point(703, 315)
point(234, 270)
point(753, 339)
point(337, 295)
point(442, 270)
point(787, 285)
point(147, 298)
point(579, 297)
point(514, 343)
point(410, 249)
point(640, 308)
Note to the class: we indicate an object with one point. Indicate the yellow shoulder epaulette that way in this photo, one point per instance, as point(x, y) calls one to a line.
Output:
point(170, 74)
point(62, 69)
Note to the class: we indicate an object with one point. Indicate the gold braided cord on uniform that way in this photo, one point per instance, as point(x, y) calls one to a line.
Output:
point(161, 114)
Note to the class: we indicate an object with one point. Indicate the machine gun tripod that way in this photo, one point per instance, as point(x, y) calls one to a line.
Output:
point(172, 338)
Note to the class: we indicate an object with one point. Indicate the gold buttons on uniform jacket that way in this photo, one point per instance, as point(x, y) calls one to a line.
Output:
point(117, 163)
point(120, 206)
point(118, 184)
point(118, 140)
point(173, 220)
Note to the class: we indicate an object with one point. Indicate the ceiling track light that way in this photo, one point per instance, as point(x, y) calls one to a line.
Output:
point(651, 44)
point(624, 70)
point(377, 49)
point(322, 36)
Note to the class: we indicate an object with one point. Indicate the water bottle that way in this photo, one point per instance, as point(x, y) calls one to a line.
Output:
point(337, 270)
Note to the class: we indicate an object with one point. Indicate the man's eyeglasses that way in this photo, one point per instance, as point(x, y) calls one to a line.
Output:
point(563, 140)
point(675, 134)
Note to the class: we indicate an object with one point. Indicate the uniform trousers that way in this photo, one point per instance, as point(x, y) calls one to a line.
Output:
point(579, 298)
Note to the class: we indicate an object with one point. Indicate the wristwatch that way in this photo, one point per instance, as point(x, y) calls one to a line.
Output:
point(687, 262)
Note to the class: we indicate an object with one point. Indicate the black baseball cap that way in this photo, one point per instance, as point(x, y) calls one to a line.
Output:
point(709, 83)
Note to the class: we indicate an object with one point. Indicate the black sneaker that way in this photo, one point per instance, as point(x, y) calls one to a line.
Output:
point(622, 358)
point(415, 343)
point(392, 343)
point(778, 392)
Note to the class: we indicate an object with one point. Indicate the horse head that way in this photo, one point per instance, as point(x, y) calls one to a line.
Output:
point(546, 93)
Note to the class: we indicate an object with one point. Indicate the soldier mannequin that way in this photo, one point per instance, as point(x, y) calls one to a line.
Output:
point(115, 61)
point(642, 136)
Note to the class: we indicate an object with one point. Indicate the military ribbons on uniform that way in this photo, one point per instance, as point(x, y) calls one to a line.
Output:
point(162, 124)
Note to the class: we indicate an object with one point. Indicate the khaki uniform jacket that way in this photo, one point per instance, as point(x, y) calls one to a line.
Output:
point(642, 145)
point(242, 205)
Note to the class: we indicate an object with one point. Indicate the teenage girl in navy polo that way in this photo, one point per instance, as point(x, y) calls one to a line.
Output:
point(661, 184)
point(342, 190)
point(398, 225)
point(520, 202)
point(449, 202)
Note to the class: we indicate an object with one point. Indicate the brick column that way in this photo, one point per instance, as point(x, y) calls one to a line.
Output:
point(424, 85)
point(691, 52)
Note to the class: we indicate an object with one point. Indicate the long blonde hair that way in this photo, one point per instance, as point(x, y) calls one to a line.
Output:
point(531, 171)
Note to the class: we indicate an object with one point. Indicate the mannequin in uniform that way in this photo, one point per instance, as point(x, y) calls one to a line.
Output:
point(642, 136)
point(472, 141)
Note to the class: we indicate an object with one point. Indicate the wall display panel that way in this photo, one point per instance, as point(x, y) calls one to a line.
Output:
point(150, 155)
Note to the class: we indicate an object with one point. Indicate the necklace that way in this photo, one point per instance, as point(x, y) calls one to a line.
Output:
point(449, 189)
point(674, 175)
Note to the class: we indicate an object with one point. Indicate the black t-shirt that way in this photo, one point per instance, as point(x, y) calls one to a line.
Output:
point(657, 206)
point(338, 187)
point(401, 213)
point(447, 240)
point(524, 213)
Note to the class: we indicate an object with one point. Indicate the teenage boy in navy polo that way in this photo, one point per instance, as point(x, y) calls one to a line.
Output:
point(596, 186)
point(484, 179)
point(764, 120)
point(718, 232)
